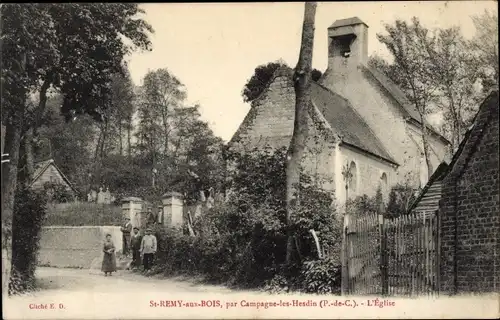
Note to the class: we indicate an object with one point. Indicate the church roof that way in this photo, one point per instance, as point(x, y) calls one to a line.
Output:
point(343, 119)
point(346, 122)
point(408, 108)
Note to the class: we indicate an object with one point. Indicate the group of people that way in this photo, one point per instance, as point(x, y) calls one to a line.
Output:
point(142, 247)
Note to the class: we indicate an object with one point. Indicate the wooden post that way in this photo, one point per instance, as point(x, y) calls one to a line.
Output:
point(344, 258)
point(383, 255)
point(438, 252)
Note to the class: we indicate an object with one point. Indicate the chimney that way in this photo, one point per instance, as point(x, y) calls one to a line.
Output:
point(347, 45)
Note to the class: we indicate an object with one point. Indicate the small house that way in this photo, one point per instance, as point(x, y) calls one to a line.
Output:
point(48, 172)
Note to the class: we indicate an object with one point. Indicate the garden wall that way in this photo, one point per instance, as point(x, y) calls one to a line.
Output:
point(78, 247)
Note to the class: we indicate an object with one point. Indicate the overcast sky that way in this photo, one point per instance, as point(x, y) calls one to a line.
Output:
point(214, 48)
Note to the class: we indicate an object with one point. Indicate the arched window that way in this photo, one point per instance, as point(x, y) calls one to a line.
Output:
point(383, 184)
point(353, 183)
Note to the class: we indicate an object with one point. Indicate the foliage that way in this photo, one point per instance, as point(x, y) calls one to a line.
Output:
point(174, 141)
point(262, 77)
point(243, 240)
point(321, 276)
point(484, 46)
point(29, 213)
point(57, 192)
point(401, 197)
point(440, 71)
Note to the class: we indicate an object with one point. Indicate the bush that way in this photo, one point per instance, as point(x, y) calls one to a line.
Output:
point(58, 193)
point(29, 212)
point(243, 241)
point(321, 276)
point(400, 199)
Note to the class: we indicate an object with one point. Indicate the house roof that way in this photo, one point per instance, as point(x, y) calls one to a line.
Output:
point(42, 166)
point(408, 108)
point(347, 22)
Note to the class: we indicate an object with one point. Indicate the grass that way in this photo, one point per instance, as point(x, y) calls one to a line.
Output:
point(83, 214)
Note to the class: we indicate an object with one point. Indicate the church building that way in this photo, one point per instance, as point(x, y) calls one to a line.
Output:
point(361, 123)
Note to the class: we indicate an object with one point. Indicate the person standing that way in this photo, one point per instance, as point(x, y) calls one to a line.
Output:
point(126, 229)
point(135, 245)
point(148, 249)
point(109, 259)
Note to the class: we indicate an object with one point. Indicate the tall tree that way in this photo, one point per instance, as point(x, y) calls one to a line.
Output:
point(123, 109)
point(72, 48)
point(408, 44)
point(162, 93)
point(485, 47)
point(302, 82)
point(454, 72)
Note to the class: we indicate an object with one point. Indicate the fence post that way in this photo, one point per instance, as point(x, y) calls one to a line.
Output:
point(345, 269)
point(383, 254)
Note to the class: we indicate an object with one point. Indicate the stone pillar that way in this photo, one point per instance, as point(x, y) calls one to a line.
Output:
point(172, 209)
point(131, 208)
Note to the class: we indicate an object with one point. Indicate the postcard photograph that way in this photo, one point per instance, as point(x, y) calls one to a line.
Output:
point(266, 160)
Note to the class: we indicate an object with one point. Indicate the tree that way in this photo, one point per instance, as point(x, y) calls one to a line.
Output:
point(124, 109)
point(263, 76)
point(485, 48)
point(454, 72)
point(409, 44)
point(302, 82)
point(72, 48)
point(161, 94)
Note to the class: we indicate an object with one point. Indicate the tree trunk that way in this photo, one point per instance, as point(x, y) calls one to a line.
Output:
point(129, 148)
point(425, 143)
point(26, 159)
point(302, 83)
point(9, 169)
point(120, 133)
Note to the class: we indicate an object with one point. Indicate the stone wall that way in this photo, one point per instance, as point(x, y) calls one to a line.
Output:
point(270, 121)
point(78, 247)
point(470, 222)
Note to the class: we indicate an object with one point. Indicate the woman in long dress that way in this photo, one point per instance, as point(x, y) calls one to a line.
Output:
point(109, 259)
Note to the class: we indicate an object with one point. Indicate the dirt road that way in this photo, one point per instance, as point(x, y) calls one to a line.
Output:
point(78, 293)
point(81, 294)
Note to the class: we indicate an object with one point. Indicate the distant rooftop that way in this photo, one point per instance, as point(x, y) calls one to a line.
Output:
point(347, 22)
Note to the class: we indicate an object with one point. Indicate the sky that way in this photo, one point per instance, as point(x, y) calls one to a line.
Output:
point(213, 48)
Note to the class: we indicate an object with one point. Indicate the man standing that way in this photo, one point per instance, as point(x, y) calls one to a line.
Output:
point(135, 244)
point(126, 229)
point(148, 249)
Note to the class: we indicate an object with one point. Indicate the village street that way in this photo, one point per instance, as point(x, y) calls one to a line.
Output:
point(87, 293)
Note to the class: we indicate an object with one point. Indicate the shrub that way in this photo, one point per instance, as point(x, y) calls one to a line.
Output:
point(29, 212)
point(243, 241)
point(321, 276)
point(58, 193)
point(400, 199)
